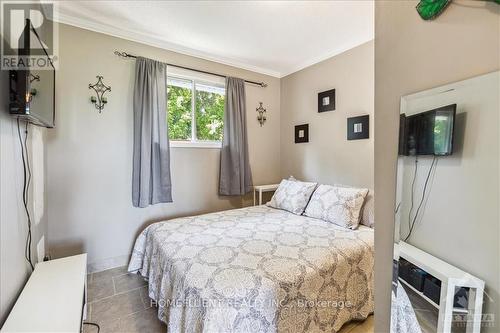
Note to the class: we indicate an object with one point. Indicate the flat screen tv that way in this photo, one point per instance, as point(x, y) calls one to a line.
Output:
point(428, 133)
point(32, 90)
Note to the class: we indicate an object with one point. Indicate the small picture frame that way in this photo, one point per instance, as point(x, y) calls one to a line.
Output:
point(302, 133)
point(326, 101)
point(358, 127)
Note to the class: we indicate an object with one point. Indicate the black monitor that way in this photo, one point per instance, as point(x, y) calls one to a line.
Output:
point(32, 90)
point(428, 133)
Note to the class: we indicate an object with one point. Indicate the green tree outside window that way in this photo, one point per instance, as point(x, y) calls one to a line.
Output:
point(209, 114)
point(208, 109)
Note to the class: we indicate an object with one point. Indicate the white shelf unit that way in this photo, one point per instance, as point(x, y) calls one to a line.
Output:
point(451, 278)
point(53, 299)
point(430, 301)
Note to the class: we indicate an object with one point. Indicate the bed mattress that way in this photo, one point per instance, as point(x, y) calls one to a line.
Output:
point(256, 269)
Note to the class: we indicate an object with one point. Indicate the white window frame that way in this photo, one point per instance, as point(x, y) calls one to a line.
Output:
point(200, 78)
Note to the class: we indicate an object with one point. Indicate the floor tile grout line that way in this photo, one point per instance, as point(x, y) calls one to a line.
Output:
point(117, 294)
point(119, 274)
point(143, 303)
point(142, 298)
point(129, 315)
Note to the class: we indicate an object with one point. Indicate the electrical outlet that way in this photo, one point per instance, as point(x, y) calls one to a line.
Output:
point(40, 249)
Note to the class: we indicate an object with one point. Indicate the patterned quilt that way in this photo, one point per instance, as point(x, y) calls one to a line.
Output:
point(403, 318)
point(256, 269)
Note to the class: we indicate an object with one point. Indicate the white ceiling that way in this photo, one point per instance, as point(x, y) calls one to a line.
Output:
point(270, 37)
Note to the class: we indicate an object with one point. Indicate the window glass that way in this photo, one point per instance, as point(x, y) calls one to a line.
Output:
point(209, 112)
point(179, 106)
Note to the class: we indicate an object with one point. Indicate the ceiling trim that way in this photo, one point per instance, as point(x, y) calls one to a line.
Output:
point(151, 41)
point(133, 36)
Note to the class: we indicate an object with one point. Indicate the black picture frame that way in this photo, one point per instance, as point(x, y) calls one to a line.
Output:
point(326, 101)
point(302, 133)
point(358, 127)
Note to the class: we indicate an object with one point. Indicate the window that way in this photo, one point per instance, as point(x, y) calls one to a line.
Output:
point(179, 100)
point(195, 108)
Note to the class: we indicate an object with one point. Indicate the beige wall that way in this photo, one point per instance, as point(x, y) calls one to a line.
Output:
point(14, 269)
point(329, 157)
point(90, 154)
point(413, 55)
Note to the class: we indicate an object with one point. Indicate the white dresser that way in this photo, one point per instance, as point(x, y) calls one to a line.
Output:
point(53, 299)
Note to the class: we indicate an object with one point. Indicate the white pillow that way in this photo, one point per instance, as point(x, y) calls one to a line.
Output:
point(292, 195)
point(368, 210)
point(338, 205)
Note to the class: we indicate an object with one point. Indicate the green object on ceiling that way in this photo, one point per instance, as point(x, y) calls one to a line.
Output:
point(430, 9)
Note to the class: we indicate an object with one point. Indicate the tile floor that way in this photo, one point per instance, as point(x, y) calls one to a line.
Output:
point(119, 302)
point(427, 315)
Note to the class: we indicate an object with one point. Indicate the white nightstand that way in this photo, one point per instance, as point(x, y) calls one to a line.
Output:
point(261, 189)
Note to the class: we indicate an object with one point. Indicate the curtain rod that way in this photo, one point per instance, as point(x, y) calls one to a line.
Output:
point(128, 55)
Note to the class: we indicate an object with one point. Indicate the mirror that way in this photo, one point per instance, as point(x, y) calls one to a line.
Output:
point(447, 173)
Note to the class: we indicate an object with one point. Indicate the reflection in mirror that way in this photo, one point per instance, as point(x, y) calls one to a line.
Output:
point(444, 164)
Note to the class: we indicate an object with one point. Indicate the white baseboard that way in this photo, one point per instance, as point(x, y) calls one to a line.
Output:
point(107, 263)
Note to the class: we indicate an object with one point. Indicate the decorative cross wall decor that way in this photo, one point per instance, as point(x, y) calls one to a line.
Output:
point(262, 114)
point(100, 88)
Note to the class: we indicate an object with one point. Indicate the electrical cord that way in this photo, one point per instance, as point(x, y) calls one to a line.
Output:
point(413, 222)
point(27, 191)
point(92, 324)
point(397, 208)
point(412, 191)
point(26, 186)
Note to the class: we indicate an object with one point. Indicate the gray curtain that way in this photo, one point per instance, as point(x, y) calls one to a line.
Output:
point(235, 175)
point(151, 182)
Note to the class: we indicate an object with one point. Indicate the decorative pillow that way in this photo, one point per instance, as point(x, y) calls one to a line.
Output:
point(368, 211)
point(338, 205)
point(292, 196)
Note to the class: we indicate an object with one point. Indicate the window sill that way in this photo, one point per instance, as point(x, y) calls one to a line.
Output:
point(196, 144)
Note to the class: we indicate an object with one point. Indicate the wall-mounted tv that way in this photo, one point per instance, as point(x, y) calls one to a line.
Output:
point(32, 91)
point(428, 133)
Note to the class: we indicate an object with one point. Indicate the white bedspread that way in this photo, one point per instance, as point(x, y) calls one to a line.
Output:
point(403, 318)
point(256, 269)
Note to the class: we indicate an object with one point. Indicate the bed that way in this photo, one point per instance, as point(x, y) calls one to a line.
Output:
point(403, 318)
point(256, 269)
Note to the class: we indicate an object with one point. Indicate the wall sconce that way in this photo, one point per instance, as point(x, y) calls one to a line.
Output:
point(262, 114)
point(99, 100)
point(34, 78)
